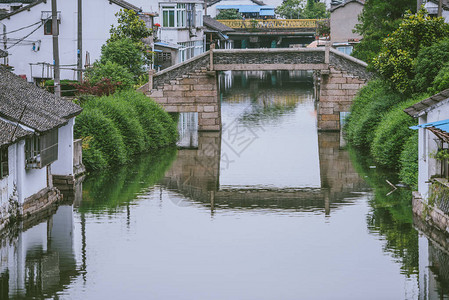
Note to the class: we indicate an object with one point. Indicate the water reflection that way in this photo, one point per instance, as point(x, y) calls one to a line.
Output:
point(37, 259)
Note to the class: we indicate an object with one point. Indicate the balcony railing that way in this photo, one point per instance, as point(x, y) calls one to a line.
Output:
point(270, 23)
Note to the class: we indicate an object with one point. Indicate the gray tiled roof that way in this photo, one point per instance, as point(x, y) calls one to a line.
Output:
point(346, 2)
point(25, 7)
point(7, 130)
point(214, 24)
point(445, 3)
point(125, 5)
point(42, 110)
point(425, 104)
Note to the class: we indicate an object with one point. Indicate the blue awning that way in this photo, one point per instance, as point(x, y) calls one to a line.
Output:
point(267, 12)
point(442, 125)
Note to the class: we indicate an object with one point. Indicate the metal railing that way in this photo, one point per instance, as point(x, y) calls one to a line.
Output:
point(270, 23)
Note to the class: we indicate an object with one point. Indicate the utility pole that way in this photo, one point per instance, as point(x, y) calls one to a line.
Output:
point(80, 42)
point(418, 5)
point(54, 29)
point(440, 8)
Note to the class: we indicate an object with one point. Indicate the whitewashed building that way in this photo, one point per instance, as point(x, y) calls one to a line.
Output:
point(181, 28)
point(431, 201)
point(36, 143)
point(432, 8)
point(27, 34)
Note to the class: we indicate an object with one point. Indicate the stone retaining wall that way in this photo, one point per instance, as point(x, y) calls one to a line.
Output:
point(430, 215)
point(40, 201)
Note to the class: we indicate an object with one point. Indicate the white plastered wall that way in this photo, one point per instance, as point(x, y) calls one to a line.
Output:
point(428, 145)
point(64, 164)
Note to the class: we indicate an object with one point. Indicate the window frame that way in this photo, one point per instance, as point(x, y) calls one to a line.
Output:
point(4, 163)
point(41, 150)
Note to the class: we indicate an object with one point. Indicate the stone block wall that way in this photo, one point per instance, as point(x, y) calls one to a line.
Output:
point(337, 90)
point(40, 201)
point(196, 91)
point(433, 216)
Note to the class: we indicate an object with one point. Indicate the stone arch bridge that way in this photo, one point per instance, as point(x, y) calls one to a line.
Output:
point(192, 86)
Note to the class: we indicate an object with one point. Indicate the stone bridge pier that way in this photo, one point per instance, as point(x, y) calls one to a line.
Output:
point(192, 85)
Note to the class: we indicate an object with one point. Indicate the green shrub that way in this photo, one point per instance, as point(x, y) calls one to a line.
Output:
point(409, 161)
point(67, 88)
point(93, 158)
point(125, 118)
point(104, 135)
point(367, 110)
point(159, 128)
point(441, 81)
point(391, 134)
point(428, 63)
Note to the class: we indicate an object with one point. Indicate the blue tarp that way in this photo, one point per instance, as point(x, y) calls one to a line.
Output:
point(267, 12)
point(441, 125)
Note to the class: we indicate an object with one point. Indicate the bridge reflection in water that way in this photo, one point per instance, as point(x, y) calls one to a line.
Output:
point(269, 154)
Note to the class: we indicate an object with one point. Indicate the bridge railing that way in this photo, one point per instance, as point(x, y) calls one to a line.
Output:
point(270, 23)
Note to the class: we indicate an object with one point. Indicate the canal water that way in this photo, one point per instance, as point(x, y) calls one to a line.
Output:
point(269, 208)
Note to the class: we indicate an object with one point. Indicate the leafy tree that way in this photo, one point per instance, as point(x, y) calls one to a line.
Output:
point(378, 19)
point(290, 9)
point(130, 26)
point(428, 64)
point(228, 14)
point(396, 59)
point(126, 54)
point(315, 10)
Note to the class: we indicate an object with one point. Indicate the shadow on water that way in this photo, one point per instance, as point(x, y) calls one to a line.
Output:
point(111, 189)
point(391, 213)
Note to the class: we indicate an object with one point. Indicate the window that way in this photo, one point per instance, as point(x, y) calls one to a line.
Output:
point(168, 16)
point(190, 9)
point(186, 51)
point(182, 15)
point(46, 17)
point(4, 170)
point(41, 151)
point(48, 27)
point(345, 49)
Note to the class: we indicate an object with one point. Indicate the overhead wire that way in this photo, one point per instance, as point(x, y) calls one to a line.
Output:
point(21, 39)
point(28, 26)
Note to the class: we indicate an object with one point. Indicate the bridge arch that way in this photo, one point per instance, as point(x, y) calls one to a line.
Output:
point(192, 86)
